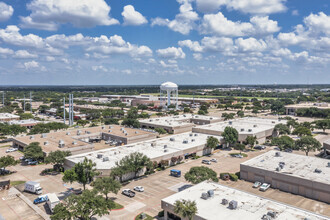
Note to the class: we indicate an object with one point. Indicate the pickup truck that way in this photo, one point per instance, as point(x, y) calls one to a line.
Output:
point(40, 199)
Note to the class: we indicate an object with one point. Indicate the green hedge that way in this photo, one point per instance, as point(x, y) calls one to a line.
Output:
point(233, 177)
point(238, 174)
point(222, 175)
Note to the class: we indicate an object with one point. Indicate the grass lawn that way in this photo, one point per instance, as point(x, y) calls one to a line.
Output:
point(214, 96)
point(148, 217)
point(117, 206)
point(15, 183)
point(244, 155)
point(5, 146)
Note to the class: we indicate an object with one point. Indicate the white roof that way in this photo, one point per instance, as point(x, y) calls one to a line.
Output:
point(168, 86)
point(295, 165)
point(249, 206)
point(8, 116)
point(52, 197)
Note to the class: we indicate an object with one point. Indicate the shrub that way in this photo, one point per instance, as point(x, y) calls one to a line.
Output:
point(233, 177)
point(222, 175)
point(161, 213)
point(238, 174)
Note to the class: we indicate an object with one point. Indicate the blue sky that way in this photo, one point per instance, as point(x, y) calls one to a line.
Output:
point(116, 42)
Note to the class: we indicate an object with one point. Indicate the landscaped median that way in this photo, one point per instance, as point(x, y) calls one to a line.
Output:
point(143, 216)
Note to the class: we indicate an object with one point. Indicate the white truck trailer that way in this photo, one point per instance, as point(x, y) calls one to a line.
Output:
point(52, 201)
point(33, 187)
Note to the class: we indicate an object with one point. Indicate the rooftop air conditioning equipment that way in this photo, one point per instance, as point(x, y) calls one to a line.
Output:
point(272, 214)
point(150, 120)
point(126, 134)
point(224, 202)
point(278, 169)
point(172, 139)
point(233, 204)
point(46, 143)
point(255, 126)
point(31, 137)
point(210, 193)
point(266, 217)
point(328, 164)
point(105, 159)
point(273, 122)
point(78, 132)
point(196, 135)
point(196, 116)
point(86, 132)
point(230, 122)
point(277, 154)
point(165, 150)
point(185, 141)
point(99, 156)
point(109, 131)
point(136, 132)
point(250, 130)
point(121, 129)
point(152, 144)
point(165, 146)
point(102, 127)
point(67, 133)
point(44, 135)
point(211, 118)
point(242, 129)
point(205, 196)
point(317, 171)
point(74, 142)
point(192, 140)
point(110, 126)
point(190, 134)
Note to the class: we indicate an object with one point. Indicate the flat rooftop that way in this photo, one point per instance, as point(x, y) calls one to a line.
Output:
point(295, 165)
point(309, 105)
point(249, 206)
point(25, 122)
point(152, 148)
point(74, 138)
point(4, 116)
point(245, 125)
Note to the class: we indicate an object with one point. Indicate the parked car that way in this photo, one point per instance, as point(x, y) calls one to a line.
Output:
point(33, 162)
point(40, 199)
point(264, 187)
point(214, 160)
point(176, 173)
point(237, 155)
point(260, 147)
point(11, 150)
point(206, 162)
point(288, 150)
point(28, 160)
point(22, 158)
point(128, 192)
point(3, 171)
point(139, 188)
point(256, 184)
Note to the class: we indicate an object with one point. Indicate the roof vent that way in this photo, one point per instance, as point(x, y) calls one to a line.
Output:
point(230, 122)
point(185, 141)
point(105, 159)
point(110, 126)
point(190, 135)
point(99, 156)
point(328, 164)
point(136, 132)
point(109, 131)
point(165, 146)
point(172, 139)
point(242, 129)
point(102, 127)
point(43, 135)
point(74, 142)
point(165, 150)
point(67, 133)
point(192, 140)
point(210, 193)
point(277, 154)
point(273, 122)
point(255, 126)
point(196, 135)
point(250, 130)
point(224, 202)
point(233, 204)
point(205, 196)
point(31, 137)
point(126, 134)
point(272, 214)
point(317, 171)
point(46, 143)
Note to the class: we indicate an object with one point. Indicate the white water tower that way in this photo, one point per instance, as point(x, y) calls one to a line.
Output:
point(171, 90)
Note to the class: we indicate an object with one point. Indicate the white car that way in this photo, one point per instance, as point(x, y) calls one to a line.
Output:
point(264, 187)
point(214, 160)
point(139, 188)
point(256, 184)
point(206, 162)
point(11, 150)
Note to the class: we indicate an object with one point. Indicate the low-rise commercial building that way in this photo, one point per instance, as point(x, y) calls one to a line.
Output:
point(6, 117)
point(81, 140)
point(178, 123)
point(291, 109)
point(181, 145)
point(258, 127)
point(28, 123)
point(326, 146)
point(215, 201)
point(297, 174)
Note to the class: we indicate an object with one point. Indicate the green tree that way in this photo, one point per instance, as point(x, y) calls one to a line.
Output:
point(185, 208)
point(308, 144)
point(142, 107)
point(251, 141)
point(322, 124)
point(7, 161)
point(57, 158)
point(82, 122)
point(239, 146)
point(82, 207)
point(82, 172)
point(34, 151)
point(283, 142)
point(186, 110)
point(227, 116)
point(111, 121)
point(200, 174)
point(282, 129)
point(25, 116)
point(161, 130)
point(201, 112)
point(302, 131)
point(131, 122)
point(212, 142)
point(230, 135)
point(240, 113)
point(105, 185)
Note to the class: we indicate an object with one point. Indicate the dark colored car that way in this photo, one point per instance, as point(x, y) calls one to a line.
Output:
point(128, 192)
point(288, 150)
point(33, 162)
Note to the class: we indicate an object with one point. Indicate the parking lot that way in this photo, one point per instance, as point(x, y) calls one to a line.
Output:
point(157, 186)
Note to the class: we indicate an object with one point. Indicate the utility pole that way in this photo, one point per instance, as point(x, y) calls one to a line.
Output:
point(30, 103)
point(24, 103)
point(3, 99)
point(64, 110)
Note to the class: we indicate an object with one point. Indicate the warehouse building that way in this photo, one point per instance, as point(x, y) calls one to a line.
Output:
point(81, 140)
point(215, 201)
point(178, 123)
point(259, 127)
point(166, 148)
point(297, 174)
point(6, 117)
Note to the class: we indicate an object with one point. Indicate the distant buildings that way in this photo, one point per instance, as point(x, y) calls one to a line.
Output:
point(291, 109)
point(297, 174)
point(6, 117)
point(215, 201)
point(28, 123)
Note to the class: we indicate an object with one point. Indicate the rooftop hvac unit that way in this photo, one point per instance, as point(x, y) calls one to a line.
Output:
point(136, 132)
point(102, 127)
point(46, 143)
point(224, 202)
point(278, 169)
point(192, 140)
point(78, 132)
point(150, 120)
point(31, 137)
point(230, 122)
point(190, 135)
point(185, 141)
point(152, 144)
point(67, 133)
point(196, 135)
point(61, 142)
point(273, 122)
point(165, 146)
point(272, 214)
point(88, 132)
point(277, 154)
point(233, 204)
point(255, 126)
point(317, 171)
point(109, 131)
point(121, 129)
point(105, 159)
point(165, 150)
point(44, 135)
point(196, 116)
point(205, 196)
point(210, 193)
point(250, 130)
point(99, 156)
point(126, 134)
point(328, 164)
point(74, 142)
point(110, 126)
point(242, 129)
point(172, 139)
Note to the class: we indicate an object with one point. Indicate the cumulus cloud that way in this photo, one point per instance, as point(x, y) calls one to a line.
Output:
point(49, 14)
point(192, 45)
point(218, 24)
point(23, 54)
point(171, 53)
point(31, 64)
point(132, 17)
point(6, 11)
point(250, 45)
point(183, 23)
point(6, 51)
point(99, 68)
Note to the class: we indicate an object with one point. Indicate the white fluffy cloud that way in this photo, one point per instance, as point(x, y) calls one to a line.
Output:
point(171, 53)
point(6, 11)
point(132, 17)
point(183, 23)
point(250, 45)
point(218, 24)
point(31, 64)
point(23, 54)
point(6, 51)
point(49, 14)
point(192, 45)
